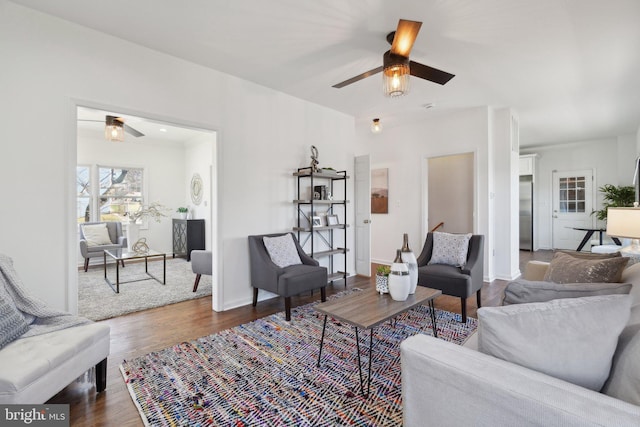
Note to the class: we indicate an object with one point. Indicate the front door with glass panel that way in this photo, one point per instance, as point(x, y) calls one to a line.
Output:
point(572, 207)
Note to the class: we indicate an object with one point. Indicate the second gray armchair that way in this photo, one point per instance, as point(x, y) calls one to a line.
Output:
point(201, 263)
point(460, 282)
point(288, 281)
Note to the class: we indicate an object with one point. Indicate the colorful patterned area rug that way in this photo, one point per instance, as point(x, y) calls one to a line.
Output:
point(264, 373)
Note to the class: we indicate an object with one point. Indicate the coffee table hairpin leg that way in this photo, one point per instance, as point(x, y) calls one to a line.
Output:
point(324, 327)
point(359, 364)
point(432, 309)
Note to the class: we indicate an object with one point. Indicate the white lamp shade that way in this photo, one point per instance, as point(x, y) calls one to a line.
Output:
point(623, 222)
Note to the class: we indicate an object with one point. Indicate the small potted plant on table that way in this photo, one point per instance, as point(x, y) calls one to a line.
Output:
point(382, 279)
point(183, 212)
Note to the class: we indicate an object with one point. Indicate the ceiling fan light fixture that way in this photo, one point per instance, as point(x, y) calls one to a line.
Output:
point(395, 75)
point(376, 127)
point(113, 129)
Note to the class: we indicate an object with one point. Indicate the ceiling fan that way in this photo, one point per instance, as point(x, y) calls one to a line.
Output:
point(397, 67)
point(115, 128)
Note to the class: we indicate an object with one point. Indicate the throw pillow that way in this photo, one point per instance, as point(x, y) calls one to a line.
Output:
point(624, 379)
point(565, 268)
point(571, 339)
point(12, 323)
point(450, 249)
point(523, 291)
point(96, 234)
point(591, 255)
point(282, 250)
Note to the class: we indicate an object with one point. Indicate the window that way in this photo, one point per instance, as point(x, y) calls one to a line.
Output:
point(83, 196)
point(118, 191)
point(572, 194)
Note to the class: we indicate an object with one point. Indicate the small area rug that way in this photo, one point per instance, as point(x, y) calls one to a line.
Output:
point(97, 301)
point(264, 373)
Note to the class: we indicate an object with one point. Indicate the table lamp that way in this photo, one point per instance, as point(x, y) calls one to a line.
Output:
point(625, 223)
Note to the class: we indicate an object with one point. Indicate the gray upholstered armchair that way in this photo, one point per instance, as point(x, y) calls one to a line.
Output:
point(118, 241)
point(459, 282)
point(201, 263)
point(287, 281)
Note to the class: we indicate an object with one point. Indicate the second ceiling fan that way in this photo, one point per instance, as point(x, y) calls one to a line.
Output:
point(396, 65)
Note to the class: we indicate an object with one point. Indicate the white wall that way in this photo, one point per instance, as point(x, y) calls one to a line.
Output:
point(404, 151)
point(52, 65)
point(164, 167)
point(199, 155)
point(613, 162)
point(506, 183)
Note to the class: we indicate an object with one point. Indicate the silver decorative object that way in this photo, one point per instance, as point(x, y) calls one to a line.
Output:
point(141, 247)
point(314, 159)
point(196, 189)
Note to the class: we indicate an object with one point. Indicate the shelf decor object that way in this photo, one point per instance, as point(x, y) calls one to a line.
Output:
point(318, 229)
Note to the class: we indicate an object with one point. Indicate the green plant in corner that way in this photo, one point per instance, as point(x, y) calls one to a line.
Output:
point(182, 210)
point(614, 197)
point(383, 270)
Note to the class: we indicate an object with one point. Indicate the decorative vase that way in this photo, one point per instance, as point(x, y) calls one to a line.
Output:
point(410, 259)
point(382, 284)
point(183, 215)
point(399, 280)
point(133, 234)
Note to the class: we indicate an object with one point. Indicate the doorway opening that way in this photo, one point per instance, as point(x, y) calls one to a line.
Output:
point(450, 193)
point(154, 165)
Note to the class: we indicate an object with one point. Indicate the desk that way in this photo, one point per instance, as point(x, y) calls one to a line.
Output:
point(589, 232)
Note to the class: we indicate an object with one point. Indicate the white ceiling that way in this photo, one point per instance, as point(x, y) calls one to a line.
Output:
point(91, 122)
point(570, 68)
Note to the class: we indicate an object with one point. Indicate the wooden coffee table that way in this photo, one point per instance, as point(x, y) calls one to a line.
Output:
point(368, 309)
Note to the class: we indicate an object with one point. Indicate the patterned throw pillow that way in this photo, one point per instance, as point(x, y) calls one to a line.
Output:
point(565, 268)
point(450, 249)
point(282, 250)
point(12, 323)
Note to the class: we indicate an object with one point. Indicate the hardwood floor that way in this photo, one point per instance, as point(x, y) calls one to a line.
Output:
point(140, 333)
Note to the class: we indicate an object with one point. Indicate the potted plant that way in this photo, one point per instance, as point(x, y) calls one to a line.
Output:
point(382, 279)
point(183, 212)
point(614, 197)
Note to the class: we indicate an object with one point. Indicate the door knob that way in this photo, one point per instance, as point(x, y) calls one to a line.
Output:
point(366, 221)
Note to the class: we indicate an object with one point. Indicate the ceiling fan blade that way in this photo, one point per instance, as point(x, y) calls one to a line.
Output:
point(358, 77)
point(429, 73)
point(132, 131)
point(404, 37)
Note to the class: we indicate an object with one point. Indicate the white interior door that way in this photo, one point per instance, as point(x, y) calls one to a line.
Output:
point(572, 206)
point(363, 215)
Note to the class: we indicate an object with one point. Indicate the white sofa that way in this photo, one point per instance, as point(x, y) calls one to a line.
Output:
point(42, 349)
point(34, 369)
point(444, 384)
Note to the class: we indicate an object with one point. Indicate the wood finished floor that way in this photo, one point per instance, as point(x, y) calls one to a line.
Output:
point(137, 334)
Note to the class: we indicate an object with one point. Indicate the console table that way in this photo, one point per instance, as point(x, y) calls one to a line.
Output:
point(188, 234)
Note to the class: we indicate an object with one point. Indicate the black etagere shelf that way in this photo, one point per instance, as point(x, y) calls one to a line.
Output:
point(320, 239)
